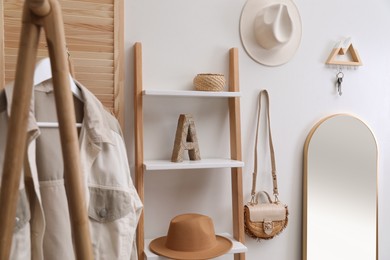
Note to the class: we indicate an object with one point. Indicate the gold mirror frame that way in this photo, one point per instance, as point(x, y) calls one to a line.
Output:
point(337, 233)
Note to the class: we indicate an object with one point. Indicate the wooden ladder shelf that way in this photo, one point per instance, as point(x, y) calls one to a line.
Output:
point(235, 147)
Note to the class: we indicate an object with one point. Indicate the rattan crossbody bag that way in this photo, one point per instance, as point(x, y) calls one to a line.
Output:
point(264, 218)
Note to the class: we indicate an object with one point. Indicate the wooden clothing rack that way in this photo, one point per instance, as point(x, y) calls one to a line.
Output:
point(46, 15)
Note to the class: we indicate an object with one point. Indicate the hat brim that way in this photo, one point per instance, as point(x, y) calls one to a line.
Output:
point(223, 246)
point(275, 56)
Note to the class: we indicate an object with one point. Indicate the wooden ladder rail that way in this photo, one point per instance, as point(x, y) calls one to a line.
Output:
point(236, 152)
point(139, 147)
point(37, 15)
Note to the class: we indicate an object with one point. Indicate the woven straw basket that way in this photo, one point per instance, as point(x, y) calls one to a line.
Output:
point(209, 82)
point(256, 229)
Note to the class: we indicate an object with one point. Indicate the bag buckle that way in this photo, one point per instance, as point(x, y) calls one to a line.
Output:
point(268, 226)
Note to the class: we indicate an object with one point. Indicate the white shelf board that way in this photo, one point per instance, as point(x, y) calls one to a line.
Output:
point(190, 93)
point(201, 164)
point(236, 248)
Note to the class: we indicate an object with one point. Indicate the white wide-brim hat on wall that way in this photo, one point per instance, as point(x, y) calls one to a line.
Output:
point(270, 30)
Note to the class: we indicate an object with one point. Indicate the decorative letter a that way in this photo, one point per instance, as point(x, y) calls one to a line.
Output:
point(185, 139)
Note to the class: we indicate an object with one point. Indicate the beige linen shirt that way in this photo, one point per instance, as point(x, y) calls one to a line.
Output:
point(42, 229)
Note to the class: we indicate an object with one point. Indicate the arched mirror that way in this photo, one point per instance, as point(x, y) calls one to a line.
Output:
point(340, 191)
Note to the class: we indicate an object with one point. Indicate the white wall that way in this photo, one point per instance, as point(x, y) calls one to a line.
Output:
point(182, 38)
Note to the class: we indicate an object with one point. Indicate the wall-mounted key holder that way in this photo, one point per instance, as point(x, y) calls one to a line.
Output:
point(343, 56)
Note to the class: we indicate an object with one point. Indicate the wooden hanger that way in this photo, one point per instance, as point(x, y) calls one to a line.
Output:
point(42, 73)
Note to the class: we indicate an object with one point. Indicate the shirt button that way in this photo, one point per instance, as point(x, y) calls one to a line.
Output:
point(103, 213)
point(17, 219)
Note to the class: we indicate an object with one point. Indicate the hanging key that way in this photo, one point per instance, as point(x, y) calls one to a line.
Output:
point(339, 77)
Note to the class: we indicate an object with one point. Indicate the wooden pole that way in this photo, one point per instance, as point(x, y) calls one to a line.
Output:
point(17, 129)
point(16, 142)
point(53, 25)
point(235, 151)
point(139, 148)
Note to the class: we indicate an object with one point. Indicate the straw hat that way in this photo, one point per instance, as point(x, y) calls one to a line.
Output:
point(270, 30)
point(191, 236)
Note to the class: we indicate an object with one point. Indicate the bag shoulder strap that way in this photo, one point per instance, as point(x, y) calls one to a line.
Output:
point(271, 147)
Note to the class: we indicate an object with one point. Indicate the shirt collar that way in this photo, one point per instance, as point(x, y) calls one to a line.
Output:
point(95, 117)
